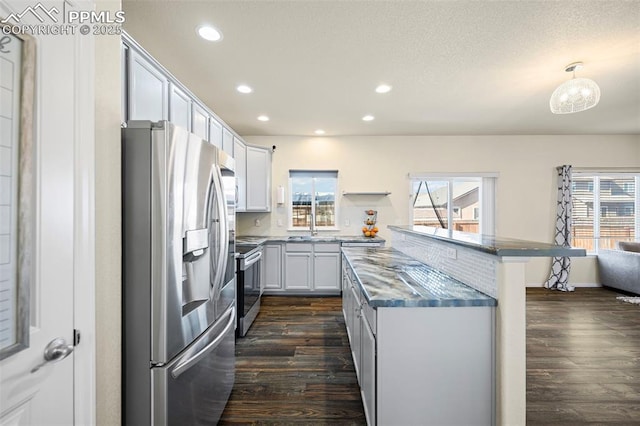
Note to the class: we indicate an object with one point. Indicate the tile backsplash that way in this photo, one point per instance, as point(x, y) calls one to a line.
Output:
point(475, 269)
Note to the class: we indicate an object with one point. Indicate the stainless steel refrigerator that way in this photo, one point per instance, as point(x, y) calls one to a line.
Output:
point(179, 286)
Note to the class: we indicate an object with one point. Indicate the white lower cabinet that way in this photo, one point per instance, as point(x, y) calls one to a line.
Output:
point(368, 370)
point(326, 267)
point(306, 268)
point(272, 267)
point(298, 269)
point(421, 365)
point(356, 326)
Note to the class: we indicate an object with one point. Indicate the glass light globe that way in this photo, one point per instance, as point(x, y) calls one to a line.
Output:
point(575, 95)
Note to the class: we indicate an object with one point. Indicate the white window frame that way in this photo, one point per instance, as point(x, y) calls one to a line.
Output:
point(487, 196)
point(597, 208)
point(290, 226)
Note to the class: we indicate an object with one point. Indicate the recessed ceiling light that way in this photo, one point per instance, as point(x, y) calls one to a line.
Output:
point(319, 132)
point(368, 118)
point(263, 118)
point(383, 88)
point(243, 88)
point(207, 32)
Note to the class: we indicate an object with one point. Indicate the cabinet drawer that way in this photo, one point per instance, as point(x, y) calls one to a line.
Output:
point(327, 247)
point(299, 247)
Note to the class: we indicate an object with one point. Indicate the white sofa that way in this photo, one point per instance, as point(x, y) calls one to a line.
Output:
point(620, 269)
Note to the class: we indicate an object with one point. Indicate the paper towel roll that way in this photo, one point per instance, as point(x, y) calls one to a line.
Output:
point(280, 196)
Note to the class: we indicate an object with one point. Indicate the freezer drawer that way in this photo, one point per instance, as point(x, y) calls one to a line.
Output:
point(194, 388)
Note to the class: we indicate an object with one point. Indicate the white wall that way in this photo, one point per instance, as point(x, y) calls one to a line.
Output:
point(108, 86)
point(526, 193)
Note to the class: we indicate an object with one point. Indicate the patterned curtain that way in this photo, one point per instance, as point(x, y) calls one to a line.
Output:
point(560, 266)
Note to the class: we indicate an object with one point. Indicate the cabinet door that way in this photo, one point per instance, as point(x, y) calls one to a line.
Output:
point(349, 311)
point(179, 108)
point(148, 90)
point(355, 342)
point(200, 122)
point(258, 179)
point(326, 271)
point(215, 132)
point(345, 295)
point(124, 87)
point(298, 271)
point(273, 267)
point(368, 371)
point(227, 141)
point(240, 155)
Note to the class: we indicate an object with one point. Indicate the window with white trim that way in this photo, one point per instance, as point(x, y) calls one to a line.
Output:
point(604, 209)
point(459, 203)
point(313, 198)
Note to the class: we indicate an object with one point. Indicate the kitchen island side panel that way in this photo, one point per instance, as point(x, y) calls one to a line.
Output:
point(436, 366)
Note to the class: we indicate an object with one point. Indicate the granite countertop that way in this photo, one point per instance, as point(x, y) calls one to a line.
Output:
point(258, 240)
point(498, 246)
point(250, 241)
point(390, 278)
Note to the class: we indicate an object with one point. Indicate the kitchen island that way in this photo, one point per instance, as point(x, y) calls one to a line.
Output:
point(496, 267)
point(421, 341)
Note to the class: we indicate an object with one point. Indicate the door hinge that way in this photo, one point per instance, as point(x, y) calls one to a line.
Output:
point(76, 337)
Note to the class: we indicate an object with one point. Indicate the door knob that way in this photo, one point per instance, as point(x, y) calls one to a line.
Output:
point(56, 350)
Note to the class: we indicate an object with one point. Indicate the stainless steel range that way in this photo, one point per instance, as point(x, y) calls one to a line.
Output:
point(249, 288)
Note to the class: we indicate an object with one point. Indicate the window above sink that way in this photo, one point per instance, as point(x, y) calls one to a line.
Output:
point(313, 204)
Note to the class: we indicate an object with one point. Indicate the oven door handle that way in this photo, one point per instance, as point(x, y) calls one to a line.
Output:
point(252, 259)
point(189, 359)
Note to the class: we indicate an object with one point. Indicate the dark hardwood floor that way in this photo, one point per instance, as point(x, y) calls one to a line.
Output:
point(294, 366)
point(583, 362)
point(583, 358)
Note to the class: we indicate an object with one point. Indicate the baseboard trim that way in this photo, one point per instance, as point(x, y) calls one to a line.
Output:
point(576, 285)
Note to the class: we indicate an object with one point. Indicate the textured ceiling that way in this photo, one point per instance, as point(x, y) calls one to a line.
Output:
point(456, 67)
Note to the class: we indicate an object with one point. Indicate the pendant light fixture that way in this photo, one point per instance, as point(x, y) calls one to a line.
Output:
point(575, 95)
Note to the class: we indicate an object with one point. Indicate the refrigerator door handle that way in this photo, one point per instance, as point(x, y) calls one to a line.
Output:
point(189, 360)
point(223, 234)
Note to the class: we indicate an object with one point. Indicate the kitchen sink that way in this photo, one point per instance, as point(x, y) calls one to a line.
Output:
point(300, 238)
point(311, 238)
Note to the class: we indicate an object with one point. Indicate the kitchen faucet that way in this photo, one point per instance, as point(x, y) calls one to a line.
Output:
point(312, 225)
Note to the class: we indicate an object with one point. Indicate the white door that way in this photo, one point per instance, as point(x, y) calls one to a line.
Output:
point(62, 228)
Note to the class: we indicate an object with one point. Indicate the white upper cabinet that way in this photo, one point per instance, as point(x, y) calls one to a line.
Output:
point(151, 93)
point(258, 174)
point(240, 155)
point(215, 132)
point(179, 107)
point(200, 121)
point(148, 90)
point(227, 142)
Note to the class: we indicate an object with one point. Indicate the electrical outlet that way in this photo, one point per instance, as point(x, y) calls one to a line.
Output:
point(347, 222)
point(257, 222)
point(451, 253)
point(280, 223)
